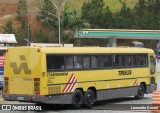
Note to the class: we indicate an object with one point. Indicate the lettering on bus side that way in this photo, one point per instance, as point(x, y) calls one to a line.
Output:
point(125, 72)
point(57, 74)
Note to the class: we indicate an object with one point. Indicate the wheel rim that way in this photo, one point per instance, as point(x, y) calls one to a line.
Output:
point(90, 98)
point(140, 91)
point(77, 99)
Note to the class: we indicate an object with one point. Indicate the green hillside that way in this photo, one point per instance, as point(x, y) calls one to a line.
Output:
point(114, 5)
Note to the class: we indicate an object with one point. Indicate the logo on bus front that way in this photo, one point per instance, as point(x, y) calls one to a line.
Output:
point(23, 66)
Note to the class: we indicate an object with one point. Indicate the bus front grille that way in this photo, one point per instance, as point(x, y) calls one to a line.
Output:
point(54, 90)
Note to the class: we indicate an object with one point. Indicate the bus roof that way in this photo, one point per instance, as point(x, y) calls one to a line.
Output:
point(74, 50)
point(98, 50)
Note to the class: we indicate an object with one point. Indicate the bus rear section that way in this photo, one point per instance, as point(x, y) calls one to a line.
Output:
point(21, 77)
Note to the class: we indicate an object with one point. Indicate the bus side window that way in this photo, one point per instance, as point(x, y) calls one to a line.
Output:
point(133, 60)
point(69, 61)
point(142, 60)
point(86, 61)
point(128, 60)
point(77, 62)
point(118, 60)
point(105, 61)
point(94, 61)
point(55, 62)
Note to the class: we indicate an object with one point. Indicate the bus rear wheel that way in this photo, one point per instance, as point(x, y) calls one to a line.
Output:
point(89, 98)
point(77, 99)
point(140, 92)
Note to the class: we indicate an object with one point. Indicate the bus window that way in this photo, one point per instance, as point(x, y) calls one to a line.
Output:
point(86, 61)
point(94, 61)
point(152, 65)
point(142, 60)
point(133, 60)
point(69, 62)
point(77, 62)
point(118, 60)
point(105, 61)
point(130, 60)
point(127, 60)
point(55, 62)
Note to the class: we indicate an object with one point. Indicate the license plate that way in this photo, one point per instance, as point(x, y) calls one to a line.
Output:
point(20, 98)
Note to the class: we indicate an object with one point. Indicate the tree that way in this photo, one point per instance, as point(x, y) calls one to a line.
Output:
point(47, 14)
point(107, 19)
point(40, 35)
point(70, 23)
point(92, 12)
point(140, 8)
point(147, 14)
point(22, 9)
point(124, 19)
point(8, 28)
point(23, 33)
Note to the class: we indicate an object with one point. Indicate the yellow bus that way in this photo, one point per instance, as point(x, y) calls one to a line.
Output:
point(77, 75)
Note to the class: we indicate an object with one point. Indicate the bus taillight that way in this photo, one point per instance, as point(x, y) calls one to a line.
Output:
point(37, 86)
point(6, 78)
point(5, 88)
point(38, 50)
point(37, 92)
point(36, 79)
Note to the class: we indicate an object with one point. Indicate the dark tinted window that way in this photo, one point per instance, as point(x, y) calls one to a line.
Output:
point(69, 62)
point(130, 60)
point(77, 62)
point(105, 61)
point(86, 61)
point(142, 60)
point(118, 60)
point(55, 62)
point(94, 61)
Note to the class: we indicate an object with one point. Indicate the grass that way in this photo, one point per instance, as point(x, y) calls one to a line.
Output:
point(114, 5)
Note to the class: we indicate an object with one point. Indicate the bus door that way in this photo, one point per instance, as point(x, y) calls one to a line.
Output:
point(152, 70)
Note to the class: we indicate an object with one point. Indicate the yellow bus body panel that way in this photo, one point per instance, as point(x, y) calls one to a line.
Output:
point(21, 68)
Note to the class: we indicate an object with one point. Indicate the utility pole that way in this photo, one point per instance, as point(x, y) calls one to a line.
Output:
point(59, 17)
point(28, 42)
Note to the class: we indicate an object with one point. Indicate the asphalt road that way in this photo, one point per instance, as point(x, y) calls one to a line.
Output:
point(121, 105)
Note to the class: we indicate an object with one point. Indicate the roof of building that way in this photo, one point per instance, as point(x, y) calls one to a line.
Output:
point(118, 33)
point(7, 38)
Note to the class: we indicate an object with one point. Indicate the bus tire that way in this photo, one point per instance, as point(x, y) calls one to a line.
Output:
point(77, 99)
point(89, 98)
point(140, 92)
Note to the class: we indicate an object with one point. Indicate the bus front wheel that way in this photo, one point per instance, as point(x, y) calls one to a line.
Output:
point(140, 92)
point(77, 99)
point(89, 98)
